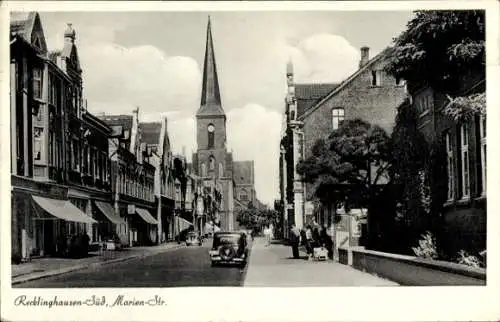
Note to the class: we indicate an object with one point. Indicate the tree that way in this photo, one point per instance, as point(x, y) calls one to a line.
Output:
point(438, 48)
point(340, 167)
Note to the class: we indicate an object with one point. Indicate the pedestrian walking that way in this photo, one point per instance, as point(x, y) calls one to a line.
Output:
point(267, 234)
point(309, 241)
point(294, 241)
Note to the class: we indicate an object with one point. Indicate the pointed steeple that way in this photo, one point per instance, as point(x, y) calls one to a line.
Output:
point(210, 96)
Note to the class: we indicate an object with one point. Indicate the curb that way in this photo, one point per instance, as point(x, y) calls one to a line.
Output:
point(91, 265)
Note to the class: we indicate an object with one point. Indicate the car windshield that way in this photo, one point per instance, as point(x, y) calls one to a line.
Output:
point(225, 239)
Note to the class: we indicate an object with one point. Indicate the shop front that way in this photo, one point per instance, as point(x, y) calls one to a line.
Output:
point(143, 227)
point(111, 227)
point(60, 228)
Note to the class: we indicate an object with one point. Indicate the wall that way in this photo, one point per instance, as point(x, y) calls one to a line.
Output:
point(375, 104)
point(411, 271)
point(202, 132)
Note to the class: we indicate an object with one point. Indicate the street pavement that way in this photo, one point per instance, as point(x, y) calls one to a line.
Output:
point(190, 266)
point(180, 267)
point(274, 266)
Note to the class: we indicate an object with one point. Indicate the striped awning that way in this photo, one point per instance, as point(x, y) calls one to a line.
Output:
point(63, 209)
point(146, 216)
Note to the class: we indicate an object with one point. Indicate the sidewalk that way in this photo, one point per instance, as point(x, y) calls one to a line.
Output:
point(50, 266)
point(274, 266)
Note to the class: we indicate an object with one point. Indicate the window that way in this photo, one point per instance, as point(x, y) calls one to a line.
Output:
point(211, 134)
point(203, 170)
point(212, 163)
point(38, 137)
point(450, 166)
point(37, 83)
point(337, 117)
point(424, 102)
point(464, 155)
point(482, 137)
point(243, 196)
point(376, 77)
point(221, 170)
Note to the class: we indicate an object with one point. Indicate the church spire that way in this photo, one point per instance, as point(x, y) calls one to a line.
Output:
point(210, 96)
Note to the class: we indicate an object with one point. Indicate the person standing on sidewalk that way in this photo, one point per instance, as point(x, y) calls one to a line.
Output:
point(327, 241)
point(294, 241)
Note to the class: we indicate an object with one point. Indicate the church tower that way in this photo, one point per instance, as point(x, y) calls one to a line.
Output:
point(213, 162)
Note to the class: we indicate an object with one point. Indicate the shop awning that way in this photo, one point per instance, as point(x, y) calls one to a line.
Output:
point(146, 216)
point(108, 211)
point(63, 209)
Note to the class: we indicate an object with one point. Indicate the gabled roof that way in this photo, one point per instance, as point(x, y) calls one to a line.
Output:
point(308, 95)
point(243, 172)
point(211, 104)
point(150, 132)
point(118, 123)
point(28, 26)
point(342, 85)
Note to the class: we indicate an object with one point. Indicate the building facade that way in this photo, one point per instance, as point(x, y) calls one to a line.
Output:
point(464, 144)
point(60, 165)
point(133, 176)
point(155, 141)
point(313, 111)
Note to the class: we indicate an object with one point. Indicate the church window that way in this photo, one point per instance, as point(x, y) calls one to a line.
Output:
point(243, 195)
point(211, 134)
point(212, 163)
point(203, 170)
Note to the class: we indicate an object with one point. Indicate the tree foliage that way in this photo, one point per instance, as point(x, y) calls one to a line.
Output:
point(439, 47)
point(340, 166)
point(256, 218)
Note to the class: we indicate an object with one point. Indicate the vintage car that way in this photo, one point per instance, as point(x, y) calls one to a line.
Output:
point(229, 248)
point(193, 238)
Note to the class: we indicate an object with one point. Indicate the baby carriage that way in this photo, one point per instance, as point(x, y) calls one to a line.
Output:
point(320, 253)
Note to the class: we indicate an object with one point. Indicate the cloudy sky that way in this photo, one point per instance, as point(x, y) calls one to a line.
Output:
point(154, 60)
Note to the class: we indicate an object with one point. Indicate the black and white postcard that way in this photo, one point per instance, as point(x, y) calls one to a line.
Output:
point(249, 161)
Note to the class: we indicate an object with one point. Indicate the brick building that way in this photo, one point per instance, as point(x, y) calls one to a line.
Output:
point(464, 143)
point(313, 111)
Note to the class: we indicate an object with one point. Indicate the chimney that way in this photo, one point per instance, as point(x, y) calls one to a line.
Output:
point(365, 56)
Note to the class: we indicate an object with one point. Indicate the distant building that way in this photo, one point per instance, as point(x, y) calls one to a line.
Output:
point(313, 111)
point(133, 186)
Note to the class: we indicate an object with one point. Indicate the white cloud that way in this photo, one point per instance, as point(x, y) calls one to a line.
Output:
point(317, 58)
point(118, 79)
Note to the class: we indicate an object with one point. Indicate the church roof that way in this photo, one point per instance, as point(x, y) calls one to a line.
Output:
point(309, 94)
point(211, 104)
point(243, 172)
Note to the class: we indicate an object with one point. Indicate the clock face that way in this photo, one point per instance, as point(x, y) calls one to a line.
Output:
point(211, 128)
